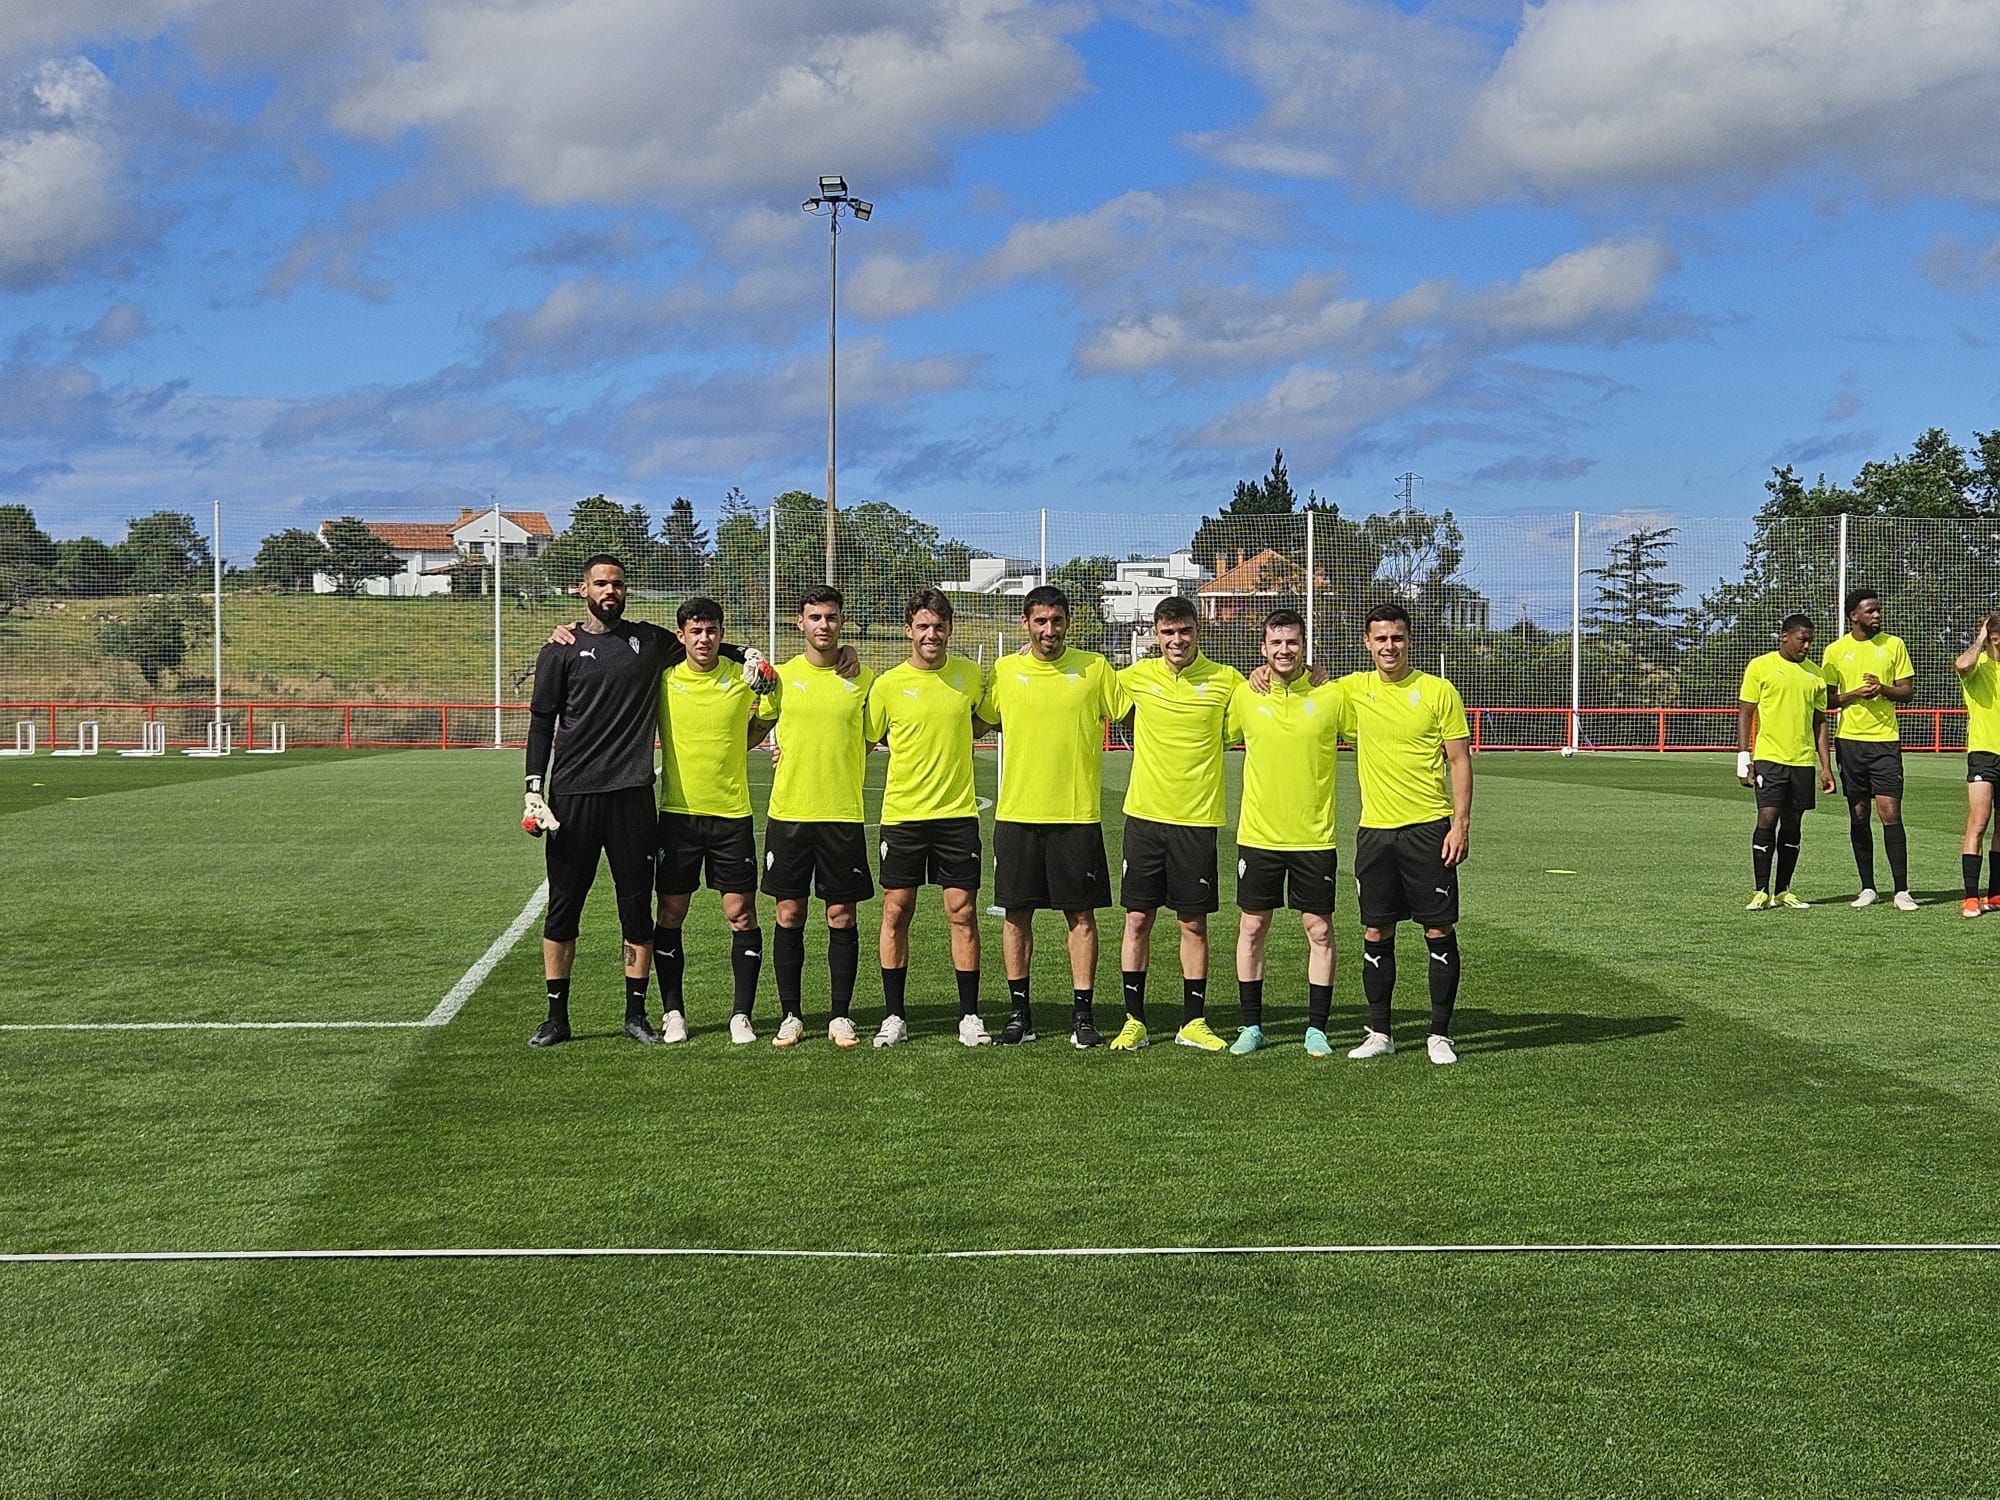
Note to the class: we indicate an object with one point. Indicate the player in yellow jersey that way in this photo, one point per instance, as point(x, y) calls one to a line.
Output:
point(1868, 673)
point(1173, 807)
point(1285, 834)
point(814, 838)
point(1978, 668)
point(1781, 729)
point(1051, 703)
point(1413, 759)
point(924, 709)
point(708, 721)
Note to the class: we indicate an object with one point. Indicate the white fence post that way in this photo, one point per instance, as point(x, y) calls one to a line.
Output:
point(1042, 576)
point(1840, 583)
point(771, 597)
point(498, 738)
point(1310, 616)
point(1576, 630)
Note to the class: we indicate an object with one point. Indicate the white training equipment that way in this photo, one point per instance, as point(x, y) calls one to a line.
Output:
point(86, 741)
point(152, 741)
point(24, 738)
point(278, 742)
point(220, 735)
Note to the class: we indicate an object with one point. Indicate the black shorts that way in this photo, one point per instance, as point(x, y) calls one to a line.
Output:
point(1870, 768)
point(931, 851)
point(692, 842)
point(1400, 875)
point(1982, 765)
point(1263, 877)
point(1168, 864)
point(1050, 866)
point(1782, 786)
point(618, 825)
point(829, 860)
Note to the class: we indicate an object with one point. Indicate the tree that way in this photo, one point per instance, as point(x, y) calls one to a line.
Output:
point(88, 569)
point(600, 525)
point(289, 559)
point(684, 549)
point(155, 640)
point(354, 554)
point(1226, 532)
point(1082, 579)
point(1635, 619)
point(27, 557)
point(1421, 555)
point(737, 575)
point(885, 555)
point(165, 553)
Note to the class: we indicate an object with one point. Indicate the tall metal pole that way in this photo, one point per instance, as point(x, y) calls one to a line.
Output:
point(832, 296)
point(1840, 584)
point(771, 587)
point(1576, 631)
point(215, 546)
point(1309, 588)
point(498, 740)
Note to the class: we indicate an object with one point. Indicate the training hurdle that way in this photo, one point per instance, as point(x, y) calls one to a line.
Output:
point(152, 741)
point(277, 745)
point(220, 735)
point(24, 738)
point(86, 741)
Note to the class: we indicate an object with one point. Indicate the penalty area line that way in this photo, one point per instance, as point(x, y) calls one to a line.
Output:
point(1074, 1252)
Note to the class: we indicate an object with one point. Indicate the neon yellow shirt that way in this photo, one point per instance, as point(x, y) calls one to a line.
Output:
point(1786, 694)
point(1981, 687)
point(1399, 730)
point(1290, 736)
point(927, 719)
point(1177, 739)
point(821, 731)
point(1844, 663)
point(703, 716)
point(1052, 713)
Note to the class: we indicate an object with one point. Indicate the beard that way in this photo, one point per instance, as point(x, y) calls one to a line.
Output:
point(606, 612)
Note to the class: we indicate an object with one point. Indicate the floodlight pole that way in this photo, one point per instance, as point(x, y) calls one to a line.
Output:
point(831, 200)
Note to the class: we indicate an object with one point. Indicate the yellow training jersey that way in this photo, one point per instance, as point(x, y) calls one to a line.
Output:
point(1290, 736)
point(1981, 687)
point(926, 717)
point(1399, 730)
point(823, 737)
point(1844, 664)
point(1177, 739)
point(1786, 694)
point(1052, 714)
point(703, 719)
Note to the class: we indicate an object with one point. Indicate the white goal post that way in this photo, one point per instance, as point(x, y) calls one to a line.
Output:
point(152, 741)
point(24, 738)
point(86, 741)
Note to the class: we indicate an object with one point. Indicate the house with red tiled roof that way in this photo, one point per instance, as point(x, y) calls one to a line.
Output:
point(431, 553)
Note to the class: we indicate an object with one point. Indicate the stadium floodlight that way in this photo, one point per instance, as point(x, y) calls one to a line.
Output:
point(833, 197)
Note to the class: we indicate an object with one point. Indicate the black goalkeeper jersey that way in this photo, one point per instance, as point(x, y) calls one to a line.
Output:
point(603, 695)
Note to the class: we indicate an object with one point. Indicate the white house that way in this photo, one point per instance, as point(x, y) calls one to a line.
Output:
point(1138, 585)
point(994, 575)
point(430, 552)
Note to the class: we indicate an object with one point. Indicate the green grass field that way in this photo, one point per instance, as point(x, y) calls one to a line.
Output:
point(1642, 1063)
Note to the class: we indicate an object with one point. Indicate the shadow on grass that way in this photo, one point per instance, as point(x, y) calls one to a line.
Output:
point(1505, 1031)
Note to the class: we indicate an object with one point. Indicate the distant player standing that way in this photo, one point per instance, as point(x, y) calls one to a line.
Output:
point(1979, 680)
point(1413, 758)
point(1173, 807)
point(1048, 838)
point(1868, 672)
point(1785, 700)
point(813, 833)
point(1285, 853)
point(924, 709)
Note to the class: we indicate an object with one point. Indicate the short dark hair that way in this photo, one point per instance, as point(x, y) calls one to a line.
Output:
point(927, 599)
point(1045, 596)
point(1283, 619)
point(1173, 607)
point(822, 593)
point(1855, 597)
point(598, 560)
point(700, 607)
point(1794, 622)
point(1382, 613)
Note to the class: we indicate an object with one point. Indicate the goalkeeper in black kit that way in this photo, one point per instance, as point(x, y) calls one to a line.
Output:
point(590, 783)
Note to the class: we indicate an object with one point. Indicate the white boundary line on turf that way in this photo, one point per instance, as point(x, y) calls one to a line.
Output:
point(441, 1014)
point(1080, 1252)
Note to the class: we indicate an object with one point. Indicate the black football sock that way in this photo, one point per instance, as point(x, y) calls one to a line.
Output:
point(1862, 837)
point(1788, 851)
point(968, 991)
point(1319, 1005)
point(1993, 873)
point(894, 983)
point(1080, 1004)
point(635, 998)
point(1378, 980)
point(843, 963)
point(746, 962)
point(1250, 1001)
point(1135, 994)
point(1194, 999)
point(559, 991)
point(1017, 996)
point(1968, 864)
point(1896, 843)
point(1444, 981)
point(1763, 844)
point(669, 966)
point(788, 962)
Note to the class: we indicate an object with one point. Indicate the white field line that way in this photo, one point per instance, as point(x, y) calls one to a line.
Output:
point(441, 1014)
point(1077, 1252)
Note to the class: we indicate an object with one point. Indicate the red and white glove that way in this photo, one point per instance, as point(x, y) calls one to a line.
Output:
point(536, 819)
point(758, 674)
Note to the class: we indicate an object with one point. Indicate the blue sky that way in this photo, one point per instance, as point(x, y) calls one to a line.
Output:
point(392, 258)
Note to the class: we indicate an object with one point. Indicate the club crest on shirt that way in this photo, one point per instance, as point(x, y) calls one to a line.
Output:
point(1416, 696)
point(633, 642)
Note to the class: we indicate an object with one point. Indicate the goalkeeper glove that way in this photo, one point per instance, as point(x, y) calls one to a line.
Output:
point(536, 819)
point(758, 675)
point(1742, 765)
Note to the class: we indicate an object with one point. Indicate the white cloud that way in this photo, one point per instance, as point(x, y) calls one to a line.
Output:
point(124, 322)
point(1952, 265)
point(39, 28)
point(60, 170)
